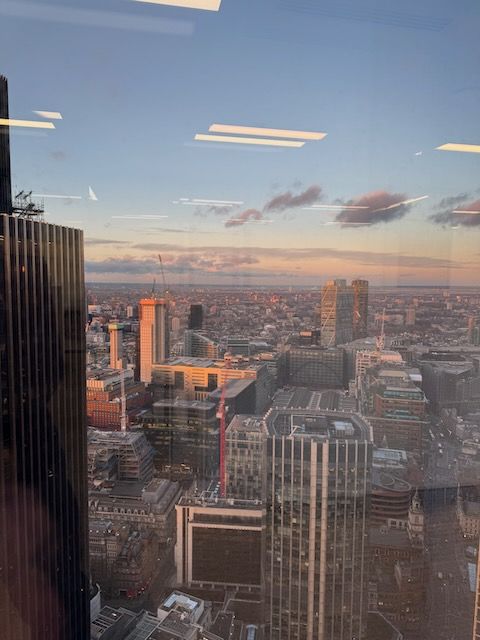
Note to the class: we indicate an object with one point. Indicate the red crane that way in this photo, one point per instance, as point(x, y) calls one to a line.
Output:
point(221, 415)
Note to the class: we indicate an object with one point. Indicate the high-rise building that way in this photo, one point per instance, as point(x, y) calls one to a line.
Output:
point(154, 335)
point(195, 319)
point(44, 580)
point(314, 367)
point(360, 308)
point(5, 175)
point(336, 314)
point(116, 345)
point(43, 469)
point(198, 345)
point(317, 503)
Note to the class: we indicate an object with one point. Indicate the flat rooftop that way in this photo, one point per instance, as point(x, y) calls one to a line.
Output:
point(247, 423)
point(185, 404)
point(320, 424)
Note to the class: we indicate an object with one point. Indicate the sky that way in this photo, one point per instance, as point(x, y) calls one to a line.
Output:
point(387, 82)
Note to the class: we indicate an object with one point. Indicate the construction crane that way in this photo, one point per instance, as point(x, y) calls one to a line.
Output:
point(222, 416)
point(165, 288)
point(123, 403)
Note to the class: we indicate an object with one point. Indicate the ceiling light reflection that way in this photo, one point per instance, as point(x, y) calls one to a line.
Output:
point(274, 133)
point(255, 141)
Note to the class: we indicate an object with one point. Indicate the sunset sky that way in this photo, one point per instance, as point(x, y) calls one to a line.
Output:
point(388, 82)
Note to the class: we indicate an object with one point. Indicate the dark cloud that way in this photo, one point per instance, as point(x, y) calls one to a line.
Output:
point(287, 200)
point(278, 203)
point(446, 216)
point(96, 241)
point(58, 155)
point(379, 208)
point(132, 266)
point(242, 218)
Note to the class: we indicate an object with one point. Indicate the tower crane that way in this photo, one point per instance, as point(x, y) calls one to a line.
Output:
point(221, 415)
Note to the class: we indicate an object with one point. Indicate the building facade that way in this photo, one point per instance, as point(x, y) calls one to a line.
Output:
point(42, 385)
point(360, 308)
point(336, 313)
point(154, 335)
point(317, 503)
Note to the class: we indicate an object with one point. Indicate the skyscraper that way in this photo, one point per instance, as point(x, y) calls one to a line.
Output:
point(154, 335)
point(195, 320)
point(336, 313)
point(318, 483)
point(44, 586)
point(116, 345)
point(360, 308)
point(5, 176)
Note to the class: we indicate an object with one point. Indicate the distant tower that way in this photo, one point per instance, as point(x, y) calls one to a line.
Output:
point(336, 314)
point(195, 320)
point(416, 521)
point(116, 345)
point(410, 317)
point(360, 308)
point(5, 175)
point(154, 335)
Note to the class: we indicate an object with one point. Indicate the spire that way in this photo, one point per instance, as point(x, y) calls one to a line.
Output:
point(5, 172)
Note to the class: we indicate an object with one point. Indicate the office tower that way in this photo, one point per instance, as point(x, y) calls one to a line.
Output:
point(116, 345)
point(43, 466)
point(220, 543)
point(314, 367)
point(195, 320)
point(336, 315)
point(5, 175)
point(476, 617)
point(318, 483)
point(154, 335)
point(360, 308)
point(238, 346)
point(198, 345)
point(245, 440)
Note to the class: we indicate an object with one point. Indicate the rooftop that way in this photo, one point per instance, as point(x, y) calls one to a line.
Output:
point(320, 424)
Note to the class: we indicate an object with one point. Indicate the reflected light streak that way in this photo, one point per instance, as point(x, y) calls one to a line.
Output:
point(203, 5)
point(464, 148)
point(255, 141)
point(49, 115)
point(140, 217)
point(274, 133)
point(335, 207)
point(399, 204)
point(33, 124)
point(472, 211)
point(55, 195)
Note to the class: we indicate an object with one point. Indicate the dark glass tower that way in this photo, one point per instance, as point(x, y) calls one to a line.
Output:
point(43, 492)
point(360, 308)
point(195, 320)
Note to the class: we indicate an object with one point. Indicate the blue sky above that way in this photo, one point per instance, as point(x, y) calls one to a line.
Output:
point(135, 82)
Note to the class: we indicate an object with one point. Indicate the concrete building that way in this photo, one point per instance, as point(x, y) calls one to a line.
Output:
point(360, 308)
point(196, 378)
point(410, 317)
point(147, 507)
point(318, 487)
point(336, 313)
point(104, 398)
point(246, 439)
point(220, 543)
point(154, 336)
point(125, 456)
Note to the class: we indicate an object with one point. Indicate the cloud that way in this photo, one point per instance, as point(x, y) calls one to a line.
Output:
point(244, 217)
point(97, 241)
point(446, 216)
point(289, 201)
point(380, 207)
point(278, 203)
point(224, 256)
point(58, 155)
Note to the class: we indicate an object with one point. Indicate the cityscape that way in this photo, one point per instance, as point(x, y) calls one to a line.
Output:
point(244, 426)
